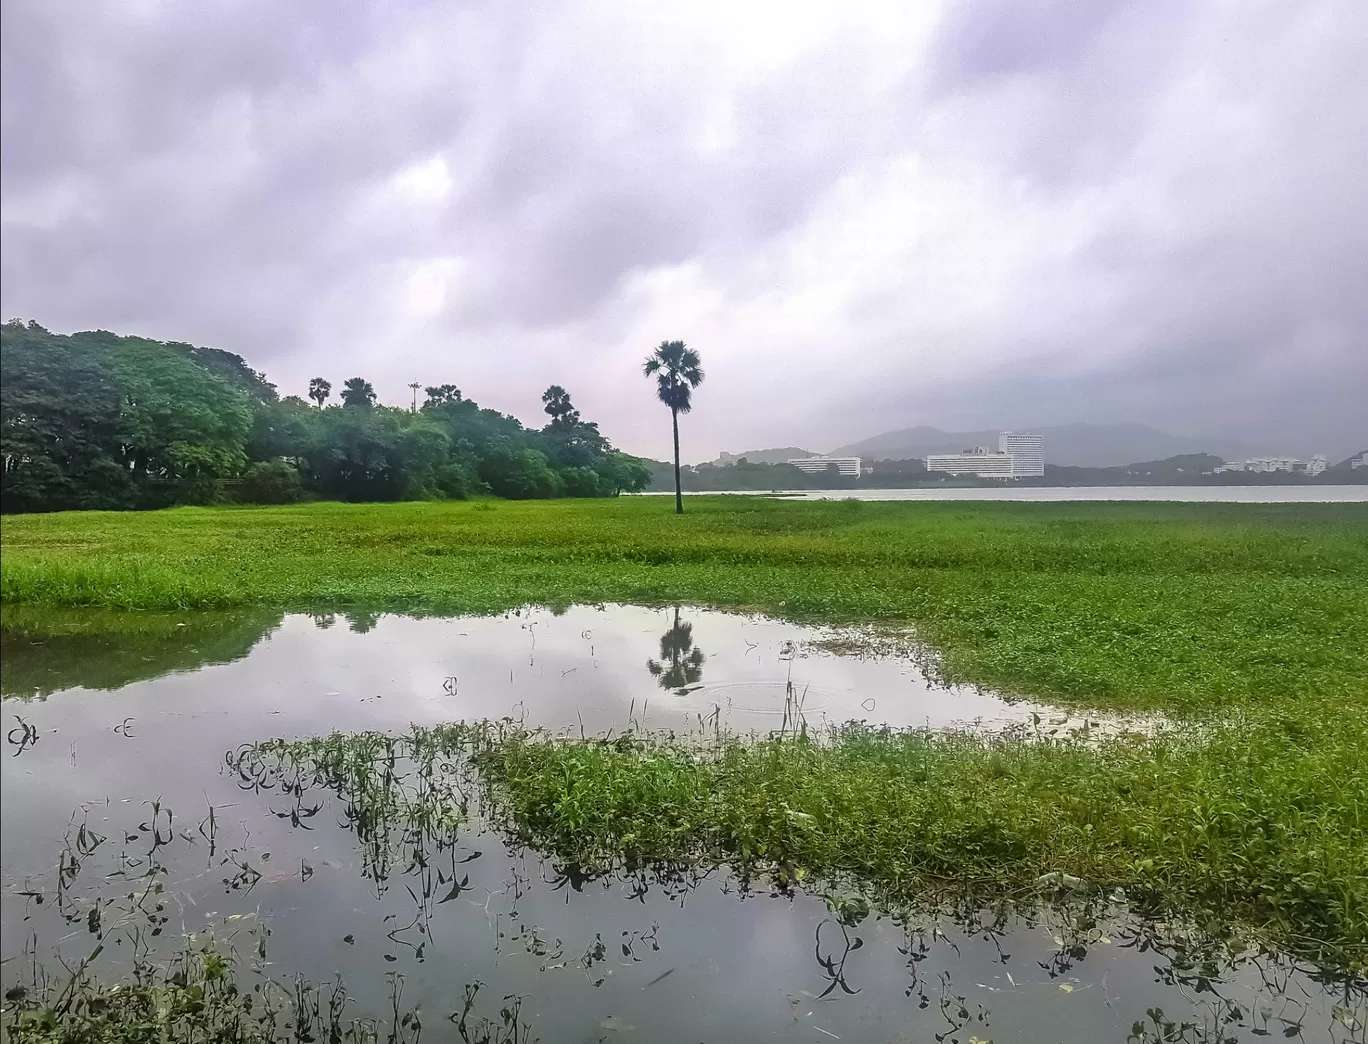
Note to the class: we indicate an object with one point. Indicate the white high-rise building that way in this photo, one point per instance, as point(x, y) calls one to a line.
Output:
point(815, 465)
point(1019, 454)
point(1027, 450)
point(982, 462)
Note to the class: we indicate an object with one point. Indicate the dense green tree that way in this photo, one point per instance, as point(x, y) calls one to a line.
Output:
point(59, 425)
point(520, 474)
point(678, 371)
point(623, 473)
point(231, 368)
point(270, 482)
point(183, 430)
point(357, 392)
point(94, 420)
point(98, 420)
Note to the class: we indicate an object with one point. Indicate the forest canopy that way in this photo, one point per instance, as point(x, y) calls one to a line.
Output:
point(99, 421)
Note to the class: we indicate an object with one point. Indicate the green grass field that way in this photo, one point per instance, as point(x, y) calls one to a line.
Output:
point(1182, 607)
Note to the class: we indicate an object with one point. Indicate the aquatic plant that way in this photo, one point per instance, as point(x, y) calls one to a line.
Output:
point(913, 819)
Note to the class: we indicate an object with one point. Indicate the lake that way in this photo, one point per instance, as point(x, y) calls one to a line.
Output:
point(137, 738)
point(1054, 494)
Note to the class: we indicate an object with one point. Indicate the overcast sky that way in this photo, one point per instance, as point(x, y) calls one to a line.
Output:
point(864, 216)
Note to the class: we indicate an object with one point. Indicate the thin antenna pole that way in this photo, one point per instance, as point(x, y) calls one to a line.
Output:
point(415, 386)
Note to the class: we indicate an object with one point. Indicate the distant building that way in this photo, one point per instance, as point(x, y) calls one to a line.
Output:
point(1028, 450)
point(1361, 461)
point(816, 465)
point(1271, 464)
point(981, 461)
point(1268, 465)
point(1020, 454)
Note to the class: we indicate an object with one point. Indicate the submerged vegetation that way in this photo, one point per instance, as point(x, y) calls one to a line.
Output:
point(790, 814)
point(1240, 822)
point(1188, 608)
point(1247, 835)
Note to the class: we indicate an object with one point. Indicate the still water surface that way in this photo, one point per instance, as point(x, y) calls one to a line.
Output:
point(1054, 494)
point(116, 723)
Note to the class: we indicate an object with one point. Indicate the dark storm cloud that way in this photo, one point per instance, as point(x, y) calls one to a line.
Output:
point(204, 200)
point(148, 117)
point(1020, 36)
point(866, 214)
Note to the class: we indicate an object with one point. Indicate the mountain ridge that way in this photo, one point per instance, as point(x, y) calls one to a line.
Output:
point(1066, 445)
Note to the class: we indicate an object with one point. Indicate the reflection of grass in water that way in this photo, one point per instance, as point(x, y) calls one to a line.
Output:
point(45, 651)
point(208, 994)
point(1180, 822)
point(778, 811)
point(216, 987)
point(1180, 607)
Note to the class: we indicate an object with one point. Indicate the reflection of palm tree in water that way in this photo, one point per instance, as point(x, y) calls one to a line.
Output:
point(680, 664)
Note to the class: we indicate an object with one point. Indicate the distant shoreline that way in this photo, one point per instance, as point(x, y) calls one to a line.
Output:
point(1268, 493)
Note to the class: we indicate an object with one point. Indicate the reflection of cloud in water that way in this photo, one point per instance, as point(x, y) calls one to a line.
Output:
point(724, 970)
point(581, 664)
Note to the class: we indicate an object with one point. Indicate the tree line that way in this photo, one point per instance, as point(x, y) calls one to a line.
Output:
point(99, 421)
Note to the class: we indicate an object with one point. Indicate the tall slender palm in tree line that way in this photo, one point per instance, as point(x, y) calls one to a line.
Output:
point(678, 371)
point(319, 389)
point(556, 402)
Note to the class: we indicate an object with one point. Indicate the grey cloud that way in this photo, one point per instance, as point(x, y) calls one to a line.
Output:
point(209, 172)
point(556, 217)
point(1019, 36)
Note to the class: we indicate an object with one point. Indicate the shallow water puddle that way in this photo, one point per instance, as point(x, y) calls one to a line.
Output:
point(637, 956)
point(595, 666)
point(136, 716)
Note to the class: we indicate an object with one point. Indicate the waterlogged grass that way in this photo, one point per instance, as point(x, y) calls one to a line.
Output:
point(1253, 834)
point(1246, 625)
point(212, 993)
point(1180, 607)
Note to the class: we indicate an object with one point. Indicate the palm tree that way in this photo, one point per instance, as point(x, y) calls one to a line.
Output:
point(678, 371)
point(357, 391)
point(442, 395)
point(319, 390)
point(556, 402)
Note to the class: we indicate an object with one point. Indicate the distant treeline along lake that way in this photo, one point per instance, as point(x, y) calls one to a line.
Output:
point(99, 421)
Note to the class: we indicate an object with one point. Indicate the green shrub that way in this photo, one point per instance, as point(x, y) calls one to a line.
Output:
point(270, 482)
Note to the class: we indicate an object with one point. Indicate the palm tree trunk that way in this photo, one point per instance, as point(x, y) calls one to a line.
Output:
point(679, 490)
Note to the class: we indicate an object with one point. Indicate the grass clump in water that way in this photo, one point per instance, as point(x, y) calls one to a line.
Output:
point(202, 996)
point(919, 820)
point(1249, 830)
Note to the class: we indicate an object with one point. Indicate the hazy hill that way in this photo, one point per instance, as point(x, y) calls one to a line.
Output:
point(782, 455)
point(1347, 464)
point(1182, 468)
point(1074, 445)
